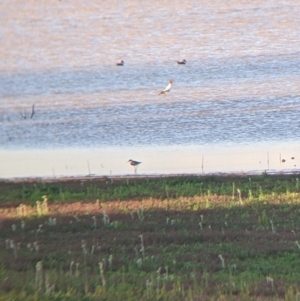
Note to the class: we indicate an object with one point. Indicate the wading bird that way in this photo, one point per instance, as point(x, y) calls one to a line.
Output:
point(183, 62)
point(134, 164)
point(167, 89)
point(120, 63)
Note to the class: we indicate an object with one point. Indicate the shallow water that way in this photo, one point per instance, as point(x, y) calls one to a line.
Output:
point(237, 94)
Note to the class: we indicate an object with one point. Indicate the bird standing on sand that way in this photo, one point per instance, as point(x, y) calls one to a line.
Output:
point(120, 63)
point(134, 164)
point(183, 62)
point(167, 89)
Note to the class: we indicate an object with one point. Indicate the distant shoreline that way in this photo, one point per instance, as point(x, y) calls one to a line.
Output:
point(61, 179)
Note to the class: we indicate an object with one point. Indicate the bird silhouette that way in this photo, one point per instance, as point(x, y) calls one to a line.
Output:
point(134, 164)
point(183, 62)
point(122, 63)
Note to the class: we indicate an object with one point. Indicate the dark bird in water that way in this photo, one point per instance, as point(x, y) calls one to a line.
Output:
point(134, 164)
point(183, 62)
point(120, 63)
point(167, 89)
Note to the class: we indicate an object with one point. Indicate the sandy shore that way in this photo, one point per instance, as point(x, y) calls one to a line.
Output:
point(96, 178)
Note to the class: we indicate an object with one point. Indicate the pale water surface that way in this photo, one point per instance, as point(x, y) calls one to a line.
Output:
point(234, 106)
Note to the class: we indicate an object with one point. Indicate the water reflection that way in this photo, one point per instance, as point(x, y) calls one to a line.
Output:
point(240, 85)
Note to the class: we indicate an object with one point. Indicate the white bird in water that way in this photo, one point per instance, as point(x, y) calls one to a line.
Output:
point(134, 164)
point(120, 63)
point(167, 89)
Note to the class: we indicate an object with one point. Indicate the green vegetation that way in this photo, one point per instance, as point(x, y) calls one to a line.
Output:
point(106, 189)
point(180, 238)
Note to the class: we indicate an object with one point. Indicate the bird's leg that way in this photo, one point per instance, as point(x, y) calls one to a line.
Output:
point(32, 111)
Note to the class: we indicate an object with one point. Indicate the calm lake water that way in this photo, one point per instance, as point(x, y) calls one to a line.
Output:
point(234, 106)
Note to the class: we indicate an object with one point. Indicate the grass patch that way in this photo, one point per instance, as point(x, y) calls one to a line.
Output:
point(173, 239)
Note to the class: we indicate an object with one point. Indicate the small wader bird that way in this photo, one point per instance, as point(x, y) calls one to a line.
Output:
point(121, 63)
point(134, 164)
point(167, 89)
point(183, 62)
